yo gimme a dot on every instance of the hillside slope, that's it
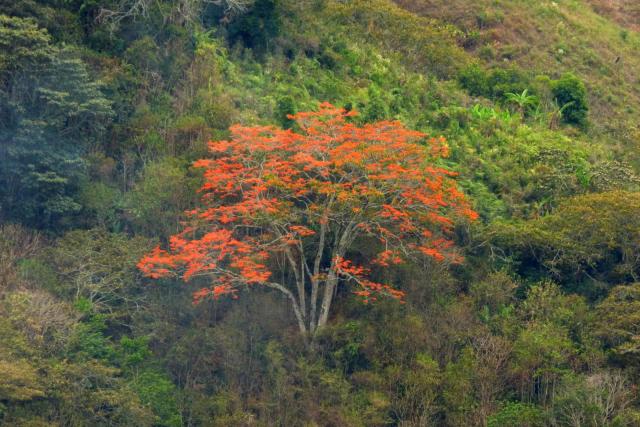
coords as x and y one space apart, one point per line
551 38
105 105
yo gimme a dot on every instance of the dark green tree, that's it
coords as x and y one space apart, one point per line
258 27
52 112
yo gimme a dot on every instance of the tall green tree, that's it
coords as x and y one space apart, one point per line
52 112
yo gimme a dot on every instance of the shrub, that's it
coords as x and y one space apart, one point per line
506 80
475 80
571 95
494 84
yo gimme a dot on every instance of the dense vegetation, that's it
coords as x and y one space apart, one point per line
524 314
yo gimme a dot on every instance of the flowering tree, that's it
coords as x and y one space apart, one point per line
274 197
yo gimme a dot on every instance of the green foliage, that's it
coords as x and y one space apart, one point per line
458 389
512 169
258 27
99 267
45 380
418 42
517 414
495 84
89 340
19 381
570 93
159 393
90 392
144 54
376 108
414 391
23 44
523 100
612 175
494 292
103 204
506 80
133 351
546 302
542 353
587 236
616 323
102 110
475 80
52 111
159 198
285 107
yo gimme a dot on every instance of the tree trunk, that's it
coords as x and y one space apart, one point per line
327 298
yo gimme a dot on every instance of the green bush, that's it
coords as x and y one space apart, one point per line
159 393
571 95
475 80
506 80
494 84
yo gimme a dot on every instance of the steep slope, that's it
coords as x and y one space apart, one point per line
549 37
625 12
538 323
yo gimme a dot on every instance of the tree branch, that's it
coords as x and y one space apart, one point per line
294 302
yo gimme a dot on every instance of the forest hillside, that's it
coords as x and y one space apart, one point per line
319 213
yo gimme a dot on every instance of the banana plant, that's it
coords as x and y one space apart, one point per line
522 100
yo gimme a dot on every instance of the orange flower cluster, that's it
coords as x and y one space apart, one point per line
358 274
